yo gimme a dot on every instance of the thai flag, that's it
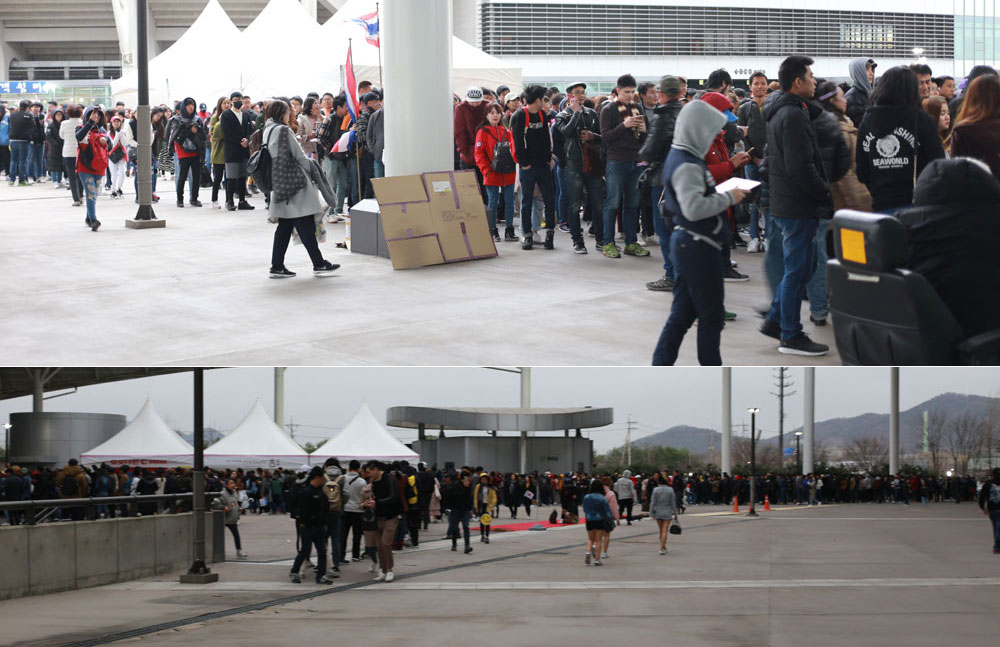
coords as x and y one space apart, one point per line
343 144
352 86
370 23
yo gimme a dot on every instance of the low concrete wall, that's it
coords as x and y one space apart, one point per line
78 554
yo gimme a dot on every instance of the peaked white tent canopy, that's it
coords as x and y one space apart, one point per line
256 442
364 437
146 441
204 63
470 65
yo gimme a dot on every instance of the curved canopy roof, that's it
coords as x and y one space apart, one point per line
499 419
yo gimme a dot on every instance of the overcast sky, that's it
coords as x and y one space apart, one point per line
320 401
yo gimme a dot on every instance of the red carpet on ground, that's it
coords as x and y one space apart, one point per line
514 527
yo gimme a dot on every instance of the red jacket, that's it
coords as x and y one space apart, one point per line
486 139
717 161
98 141
468 118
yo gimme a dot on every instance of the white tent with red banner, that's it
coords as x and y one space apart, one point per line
147 441
364 438
256 442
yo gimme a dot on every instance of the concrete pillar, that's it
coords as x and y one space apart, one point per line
525 404
566 433
37 391
421 431
279 396
894 420
809 414
8 54
416 57
727 419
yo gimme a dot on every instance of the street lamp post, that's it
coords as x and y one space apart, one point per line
753 460
798 456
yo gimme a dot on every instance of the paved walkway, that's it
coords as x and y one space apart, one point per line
832 575
197 293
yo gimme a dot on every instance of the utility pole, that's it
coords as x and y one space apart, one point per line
783 383
292 427
628 441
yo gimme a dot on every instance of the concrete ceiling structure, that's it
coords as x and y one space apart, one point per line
20 382
499 419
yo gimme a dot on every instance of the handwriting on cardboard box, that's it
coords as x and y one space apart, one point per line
456 216
441 187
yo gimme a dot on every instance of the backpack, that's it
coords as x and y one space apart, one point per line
5 131
503 160
412 493
335 494
994 494
259 167
69 487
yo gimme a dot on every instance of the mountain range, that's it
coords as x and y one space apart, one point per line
836 432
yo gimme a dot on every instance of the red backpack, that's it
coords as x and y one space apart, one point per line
90 158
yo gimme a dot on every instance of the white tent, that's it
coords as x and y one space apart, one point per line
364 438
256 442
283 53
204 63
470 65
146 441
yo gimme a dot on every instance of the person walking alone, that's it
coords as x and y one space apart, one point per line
989 503
625 491
484 498
230 503
458 499
663 508
599 520
92 159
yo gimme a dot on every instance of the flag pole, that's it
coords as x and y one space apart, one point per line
357 146
378 21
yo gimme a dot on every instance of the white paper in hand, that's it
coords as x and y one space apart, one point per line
737 183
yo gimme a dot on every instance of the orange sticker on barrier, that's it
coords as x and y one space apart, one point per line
852 246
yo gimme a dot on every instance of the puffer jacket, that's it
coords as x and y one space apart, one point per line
848 192
54 146
797 182
833 150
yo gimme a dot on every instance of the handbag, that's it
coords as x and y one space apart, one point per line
117 154
675 528
485 519
592 165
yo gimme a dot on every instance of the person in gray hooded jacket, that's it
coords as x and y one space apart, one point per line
862 70
625 491
700 230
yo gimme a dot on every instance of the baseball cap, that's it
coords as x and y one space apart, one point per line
474 94
671 86
720 103
202 106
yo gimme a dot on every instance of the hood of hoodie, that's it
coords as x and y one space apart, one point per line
952 181
333 472
627 474
697 126
189 101
858 69
782 99
86 116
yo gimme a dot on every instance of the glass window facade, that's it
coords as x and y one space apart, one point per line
545 29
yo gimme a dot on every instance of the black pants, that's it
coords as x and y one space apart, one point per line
75 185
5 160
351 523
236 187
186 165
233 528
218 174
306 226
625 506
413 524
310 536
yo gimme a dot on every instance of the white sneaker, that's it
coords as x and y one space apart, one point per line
597 562
388 577
372 567
216 205
380 577
754 246
536 238
586 560
643 240
663 551
605 556
241 555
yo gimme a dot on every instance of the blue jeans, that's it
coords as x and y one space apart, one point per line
559 188
698 294
19 153
91 183
56 176
622 179
310 536
36 161
819 305
574 182
995 518
379 169
663 231
333 522
456 517
493 199
799 255
541 175
755 210
774 259
336 174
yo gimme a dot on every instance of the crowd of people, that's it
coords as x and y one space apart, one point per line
640 165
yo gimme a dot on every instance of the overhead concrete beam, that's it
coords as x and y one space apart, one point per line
59 34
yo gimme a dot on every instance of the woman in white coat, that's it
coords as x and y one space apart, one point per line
663 508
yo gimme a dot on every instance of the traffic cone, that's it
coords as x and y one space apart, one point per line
767 503
736 504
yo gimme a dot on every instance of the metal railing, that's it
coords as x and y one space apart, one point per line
42 510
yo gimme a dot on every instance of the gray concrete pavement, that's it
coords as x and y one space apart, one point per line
197 293
831 575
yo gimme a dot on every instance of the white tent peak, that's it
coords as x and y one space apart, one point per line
279 15
256 442
364 437
146 440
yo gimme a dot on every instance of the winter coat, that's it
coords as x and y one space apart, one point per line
532 139
92 135
491 498
181 128
54 147
953 234
305 202
232 501
833 149
895 144
662 121
67 133
980 140
22 125
375 134
234 130
486 139
860 93
625 488
457 497
218 140
751 116
307 130
663 503
72 472
620 143
848 192
797 185
570 123
468 118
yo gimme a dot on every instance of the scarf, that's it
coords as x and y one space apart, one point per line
632 111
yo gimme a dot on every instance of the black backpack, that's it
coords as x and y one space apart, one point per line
259 167
503 160
69 487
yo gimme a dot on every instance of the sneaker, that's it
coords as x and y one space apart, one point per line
355 559
818 322
509 236
454 548
663 551
586 560
800 344
77 203
195 203
754 246
662 284
372 567
216 205
23 184
527 243
95 225
245 206
605 556
597 562
389 577
114 195
771 328
611 251
550 236
241 555
468 549
180 204
326 268
732 275
728 316
563 227
644 240
324 580
282 273
743 234
579 247
380 577
487 539
296 579
230 206
635 249
496 235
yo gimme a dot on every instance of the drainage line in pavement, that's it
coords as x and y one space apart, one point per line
301 597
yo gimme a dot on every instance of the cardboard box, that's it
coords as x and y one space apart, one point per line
367 236
433 218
